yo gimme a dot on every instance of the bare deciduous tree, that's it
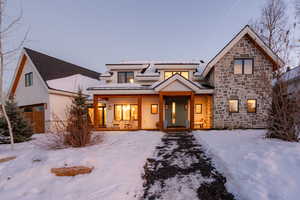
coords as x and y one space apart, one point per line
5 29
273 27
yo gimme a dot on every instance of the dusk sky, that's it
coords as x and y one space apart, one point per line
93 33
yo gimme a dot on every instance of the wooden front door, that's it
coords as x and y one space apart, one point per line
35 115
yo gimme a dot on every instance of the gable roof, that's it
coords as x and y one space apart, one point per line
48 68
245 31
53 68
198 88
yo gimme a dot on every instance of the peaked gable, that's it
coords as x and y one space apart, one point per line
255 38
54 68
181 84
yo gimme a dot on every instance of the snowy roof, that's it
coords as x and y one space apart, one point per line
73 83
292 74
123 86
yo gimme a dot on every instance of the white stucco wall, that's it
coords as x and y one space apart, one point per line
149 120
59 105
37 93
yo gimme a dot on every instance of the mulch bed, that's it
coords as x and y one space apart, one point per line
71 171
180 157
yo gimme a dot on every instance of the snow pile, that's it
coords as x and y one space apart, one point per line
72 83
118 163
255 167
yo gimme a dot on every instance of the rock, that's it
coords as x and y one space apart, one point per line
2 160
71 171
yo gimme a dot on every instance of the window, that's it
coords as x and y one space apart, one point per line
243 66
28 79
126 112
233 106
125 77
118 112
198 108
154 108
251 105
185 74
134 112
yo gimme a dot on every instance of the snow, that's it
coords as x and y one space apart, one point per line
292 74
118 163
72 83
255 167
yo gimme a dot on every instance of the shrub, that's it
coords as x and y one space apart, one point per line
284 113
75 131
22 128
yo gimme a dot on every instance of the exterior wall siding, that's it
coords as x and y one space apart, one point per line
149 120
239 86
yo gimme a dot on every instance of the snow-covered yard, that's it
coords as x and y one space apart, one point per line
118 163
255 167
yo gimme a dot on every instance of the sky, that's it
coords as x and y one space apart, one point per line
95 32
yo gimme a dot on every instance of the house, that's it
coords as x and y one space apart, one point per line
292 76
227 92
43 86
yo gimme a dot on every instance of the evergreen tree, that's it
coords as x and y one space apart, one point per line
22 129
78 126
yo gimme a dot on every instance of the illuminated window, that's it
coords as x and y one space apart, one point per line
134 112
118 112
125 77
251 105
233 106
126 112
185 74
198 108
173 112
154 108
28 79
243 66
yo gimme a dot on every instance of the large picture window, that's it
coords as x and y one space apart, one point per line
28 79
125 77
243 66
126 112
185 74
251 105
233 106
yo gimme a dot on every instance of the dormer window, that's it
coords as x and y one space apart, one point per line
243 66
28 79
185 74
125 77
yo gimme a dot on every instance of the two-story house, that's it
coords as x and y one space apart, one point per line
227 92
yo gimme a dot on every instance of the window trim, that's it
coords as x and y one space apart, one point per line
238 105
255 105
196 109
126 76
151 109
28 83
243 65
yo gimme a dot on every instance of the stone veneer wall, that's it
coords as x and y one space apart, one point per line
239 86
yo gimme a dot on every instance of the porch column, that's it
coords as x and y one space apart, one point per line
192 111
96 121
139 112
161 110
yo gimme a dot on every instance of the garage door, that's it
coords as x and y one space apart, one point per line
35 114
